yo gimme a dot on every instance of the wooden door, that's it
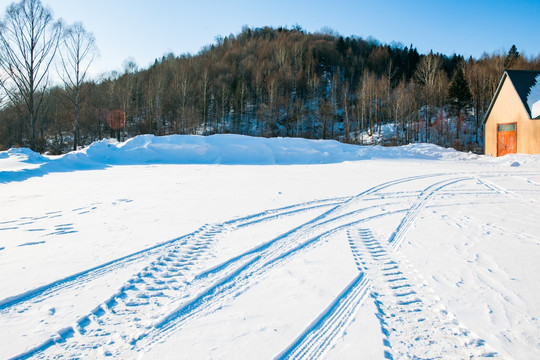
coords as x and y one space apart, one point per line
506 139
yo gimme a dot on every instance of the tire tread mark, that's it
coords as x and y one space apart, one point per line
259 265
50 289
316 339
397 236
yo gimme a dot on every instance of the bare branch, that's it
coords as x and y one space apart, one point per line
77 54
29 39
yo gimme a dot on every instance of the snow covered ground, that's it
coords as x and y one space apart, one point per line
230 247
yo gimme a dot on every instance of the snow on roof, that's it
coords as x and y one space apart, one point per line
533 98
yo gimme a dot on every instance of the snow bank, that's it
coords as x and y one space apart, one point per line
19 159
20 164
244 150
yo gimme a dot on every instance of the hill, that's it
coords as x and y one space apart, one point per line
279 82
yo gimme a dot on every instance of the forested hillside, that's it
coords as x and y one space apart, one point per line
277 82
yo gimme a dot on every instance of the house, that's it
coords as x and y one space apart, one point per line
512 122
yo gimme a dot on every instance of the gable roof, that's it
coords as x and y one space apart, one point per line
527 86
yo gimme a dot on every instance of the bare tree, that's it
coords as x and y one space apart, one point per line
397 105
426 75
29 39
368 100
126 91
346 98
77 53
153 90
183 86
3 94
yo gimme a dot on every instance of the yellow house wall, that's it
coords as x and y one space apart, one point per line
508 108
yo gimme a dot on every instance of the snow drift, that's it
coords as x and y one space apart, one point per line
20 164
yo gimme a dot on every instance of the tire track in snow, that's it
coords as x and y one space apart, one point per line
280 255
154 279
331 323
176 321
234 286
416 209
83 277
262 250
259 261
520 197
317 339
197 287
414 322
491 186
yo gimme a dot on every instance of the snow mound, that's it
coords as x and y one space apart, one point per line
20 164
19 159
246 150
228 149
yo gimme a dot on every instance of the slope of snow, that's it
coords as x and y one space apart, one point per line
236 247
216 149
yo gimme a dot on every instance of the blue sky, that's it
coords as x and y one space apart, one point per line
145 29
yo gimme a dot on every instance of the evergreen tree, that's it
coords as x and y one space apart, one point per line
459 93
341 47
513 55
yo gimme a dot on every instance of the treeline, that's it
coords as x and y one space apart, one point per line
278 82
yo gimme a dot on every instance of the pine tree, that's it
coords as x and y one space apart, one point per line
459 98
459 94
341 47
513 55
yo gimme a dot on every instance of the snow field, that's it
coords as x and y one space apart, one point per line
416 253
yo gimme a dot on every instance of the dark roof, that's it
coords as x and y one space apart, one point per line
523 81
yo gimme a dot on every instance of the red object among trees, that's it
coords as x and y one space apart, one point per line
116 119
